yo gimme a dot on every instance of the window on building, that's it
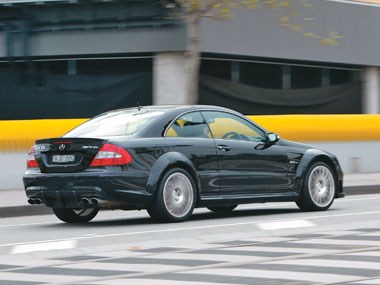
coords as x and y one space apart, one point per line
261 75
305 77
113 66
216 68
340 76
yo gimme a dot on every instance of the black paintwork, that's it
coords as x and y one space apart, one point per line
247 172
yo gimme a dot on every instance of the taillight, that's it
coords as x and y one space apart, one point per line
110 155
31 161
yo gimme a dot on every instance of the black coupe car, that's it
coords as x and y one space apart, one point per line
171 159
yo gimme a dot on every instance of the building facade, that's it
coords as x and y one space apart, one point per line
66 59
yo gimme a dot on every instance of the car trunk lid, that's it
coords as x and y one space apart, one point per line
66 154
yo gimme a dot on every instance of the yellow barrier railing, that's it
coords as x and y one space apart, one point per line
323 128
20 135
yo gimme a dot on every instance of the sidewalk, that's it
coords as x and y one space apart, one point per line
13 203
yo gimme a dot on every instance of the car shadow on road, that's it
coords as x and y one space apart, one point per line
204 215
238 213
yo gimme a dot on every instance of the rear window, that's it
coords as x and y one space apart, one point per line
126 123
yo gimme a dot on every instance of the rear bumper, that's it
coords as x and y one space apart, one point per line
96 188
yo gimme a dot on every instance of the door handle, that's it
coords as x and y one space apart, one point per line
224 147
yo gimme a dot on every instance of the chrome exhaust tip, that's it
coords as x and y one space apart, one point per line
85 201
37 201
31 201
94 201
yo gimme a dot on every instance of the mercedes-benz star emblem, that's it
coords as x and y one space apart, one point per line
61 146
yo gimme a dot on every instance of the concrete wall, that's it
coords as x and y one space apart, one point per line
256 33
12 167
76 43
354 156
69 28
259 33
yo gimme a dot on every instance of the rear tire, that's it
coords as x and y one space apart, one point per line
222 209
175 197
75 216
319 188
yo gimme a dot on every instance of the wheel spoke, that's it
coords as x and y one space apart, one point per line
178 195
321 186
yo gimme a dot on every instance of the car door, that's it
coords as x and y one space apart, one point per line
190 135
247 164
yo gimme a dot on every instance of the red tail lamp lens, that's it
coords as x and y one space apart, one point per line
110 155
31 160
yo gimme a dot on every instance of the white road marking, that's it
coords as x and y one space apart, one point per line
285 225
365 253
299 250
178 229
271 274
41 278
154 282
206 256
152 267
369 282
326 241
267 205
44 246
330 263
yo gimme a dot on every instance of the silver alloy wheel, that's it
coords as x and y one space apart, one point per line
321 186
178 195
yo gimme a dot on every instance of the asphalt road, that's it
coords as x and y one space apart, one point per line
255 244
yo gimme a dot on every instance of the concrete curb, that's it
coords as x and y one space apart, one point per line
29 210
24 210
362 189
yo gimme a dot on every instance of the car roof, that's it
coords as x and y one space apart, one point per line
165 115
179 108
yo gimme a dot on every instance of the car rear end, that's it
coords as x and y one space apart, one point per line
80 172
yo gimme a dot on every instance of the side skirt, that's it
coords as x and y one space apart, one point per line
219 200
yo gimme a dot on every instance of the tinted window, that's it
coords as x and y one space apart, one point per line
228 126
125 123
190 125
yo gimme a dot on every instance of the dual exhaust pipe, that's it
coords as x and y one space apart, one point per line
85 201
90 201
34 201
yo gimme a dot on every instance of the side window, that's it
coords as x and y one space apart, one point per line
229 126
190 125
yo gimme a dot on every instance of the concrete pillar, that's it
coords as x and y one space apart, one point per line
371 94
286 77
325 80
71 67
169 78
235 71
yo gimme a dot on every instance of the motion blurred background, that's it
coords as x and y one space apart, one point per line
316 81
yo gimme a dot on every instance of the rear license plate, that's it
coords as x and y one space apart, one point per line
64 158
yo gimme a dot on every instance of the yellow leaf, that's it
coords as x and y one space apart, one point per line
329 41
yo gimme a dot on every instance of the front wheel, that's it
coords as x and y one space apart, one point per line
175 197
319 188
74 215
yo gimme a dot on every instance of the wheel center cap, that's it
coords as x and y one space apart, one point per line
177 195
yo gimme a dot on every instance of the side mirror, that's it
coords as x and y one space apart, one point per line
272 137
